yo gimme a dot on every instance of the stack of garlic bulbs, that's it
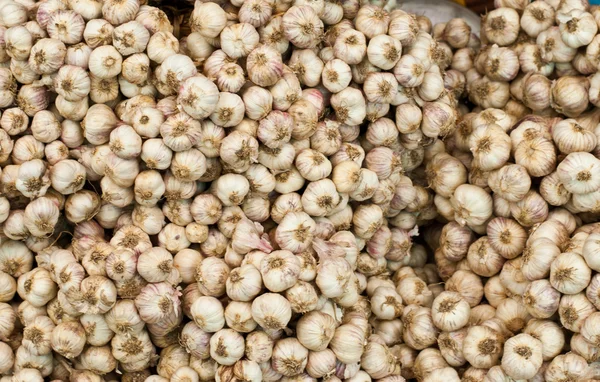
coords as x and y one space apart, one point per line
212 207
298 190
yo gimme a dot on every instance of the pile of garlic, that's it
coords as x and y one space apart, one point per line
539 57
237 204
517 187
298 190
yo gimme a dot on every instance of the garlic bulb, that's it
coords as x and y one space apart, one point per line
470 209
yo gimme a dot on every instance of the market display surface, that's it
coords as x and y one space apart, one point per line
298 190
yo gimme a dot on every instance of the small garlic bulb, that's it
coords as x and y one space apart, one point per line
577 27
511 182
160 46
295 231
522 356
271 311
238 40
563 365
386 303
570 95
33 180
536 91
336 75
482 346
289 357
210 275
537 17
198 96
578 173
280 270
472 205
264 66
490 147
208 19
384 51
315 330
47 55
420 331
208 314
445 173
541 299
41 216
68 339
450 311
382 87
37 335
506 237
569 273
501 26
105 62
502 64
409 71
404 27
